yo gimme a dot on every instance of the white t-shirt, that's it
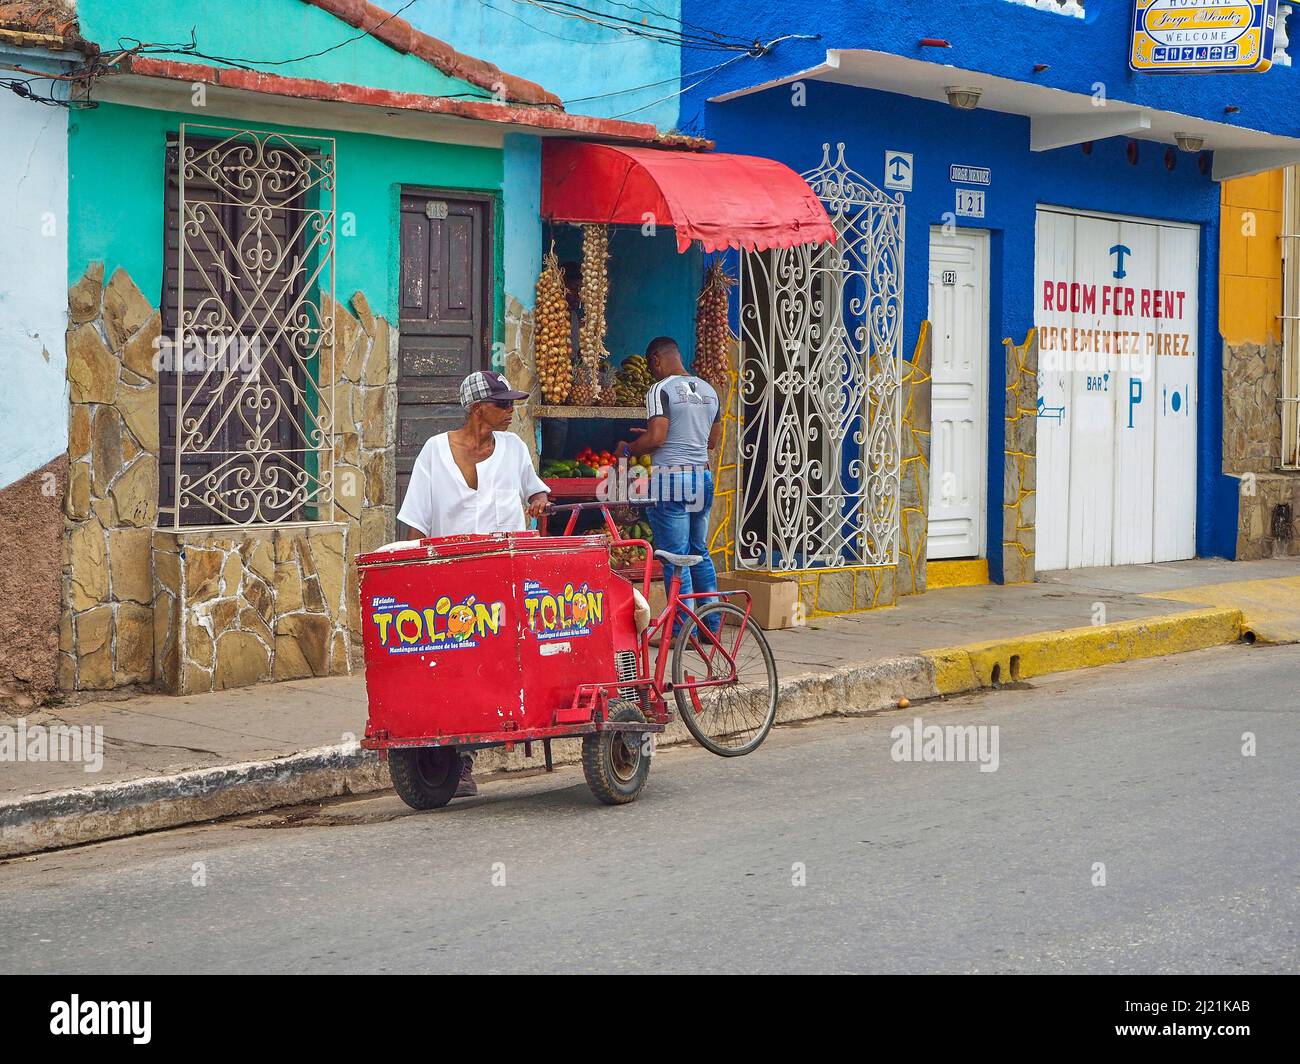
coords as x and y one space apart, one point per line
440 503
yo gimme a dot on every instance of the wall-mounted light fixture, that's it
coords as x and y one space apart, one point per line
1189 142
964 99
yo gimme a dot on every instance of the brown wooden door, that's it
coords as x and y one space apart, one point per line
445 312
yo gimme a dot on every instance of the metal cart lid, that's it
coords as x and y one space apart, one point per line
445 548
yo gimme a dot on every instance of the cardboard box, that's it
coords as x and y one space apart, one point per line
776 598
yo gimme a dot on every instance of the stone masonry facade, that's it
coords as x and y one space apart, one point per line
111 503
1020 461
1268 523
198 610
247 605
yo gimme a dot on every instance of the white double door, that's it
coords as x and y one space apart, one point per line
1116 311
959 317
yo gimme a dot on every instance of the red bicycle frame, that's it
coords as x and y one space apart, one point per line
675 605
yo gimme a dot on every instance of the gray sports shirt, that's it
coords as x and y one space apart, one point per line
691 407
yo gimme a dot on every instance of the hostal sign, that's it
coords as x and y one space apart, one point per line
1188 36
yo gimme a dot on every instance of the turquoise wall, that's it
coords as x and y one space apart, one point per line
596 70
116 172
261 34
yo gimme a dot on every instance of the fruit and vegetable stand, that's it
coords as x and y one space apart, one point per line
718 202
579 479
588 403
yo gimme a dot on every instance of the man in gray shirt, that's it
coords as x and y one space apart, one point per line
683 424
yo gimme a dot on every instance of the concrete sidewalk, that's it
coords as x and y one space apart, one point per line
171 760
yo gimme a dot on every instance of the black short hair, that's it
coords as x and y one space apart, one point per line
661 345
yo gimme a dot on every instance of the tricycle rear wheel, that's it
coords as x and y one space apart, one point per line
425 777
616 764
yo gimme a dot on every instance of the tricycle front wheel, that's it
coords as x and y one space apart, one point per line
616 764
425 777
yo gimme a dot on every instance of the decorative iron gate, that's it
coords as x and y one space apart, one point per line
247 401
821 331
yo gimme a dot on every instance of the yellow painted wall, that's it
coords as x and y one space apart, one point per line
1250 259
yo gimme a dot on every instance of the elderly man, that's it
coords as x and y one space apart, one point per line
477 478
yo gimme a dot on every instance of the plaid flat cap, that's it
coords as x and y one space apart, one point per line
485 385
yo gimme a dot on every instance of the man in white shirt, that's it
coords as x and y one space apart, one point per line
477 478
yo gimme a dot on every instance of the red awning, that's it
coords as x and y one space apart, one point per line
724 201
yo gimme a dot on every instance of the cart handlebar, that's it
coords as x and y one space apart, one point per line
573 509
556 507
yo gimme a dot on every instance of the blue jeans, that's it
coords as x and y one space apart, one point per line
683 528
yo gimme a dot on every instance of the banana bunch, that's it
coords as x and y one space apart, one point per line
632 381
591 334
551 336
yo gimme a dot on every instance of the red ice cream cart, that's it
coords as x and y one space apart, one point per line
489 640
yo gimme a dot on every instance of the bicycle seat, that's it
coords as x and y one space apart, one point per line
684 561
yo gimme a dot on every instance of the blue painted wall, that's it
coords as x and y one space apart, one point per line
596 70
994 37
521 230
869 123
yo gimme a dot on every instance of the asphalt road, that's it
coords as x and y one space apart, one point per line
905 866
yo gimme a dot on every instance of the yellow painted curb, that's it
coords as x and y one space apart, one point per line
1270 608
968 572
976 665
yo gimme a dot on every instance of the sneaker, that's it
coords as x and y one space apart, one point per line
467 788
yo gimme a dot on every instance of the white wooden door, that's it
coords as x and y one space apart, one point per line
1091 475
1117 316
959 316
1174 404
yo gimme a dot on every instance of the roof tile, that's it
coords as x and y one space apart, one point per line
40 18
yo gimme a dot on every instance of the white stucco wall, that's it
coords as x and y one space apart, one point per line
33 282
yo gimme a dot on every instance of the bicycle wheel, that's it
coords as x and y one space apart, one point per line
734 718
